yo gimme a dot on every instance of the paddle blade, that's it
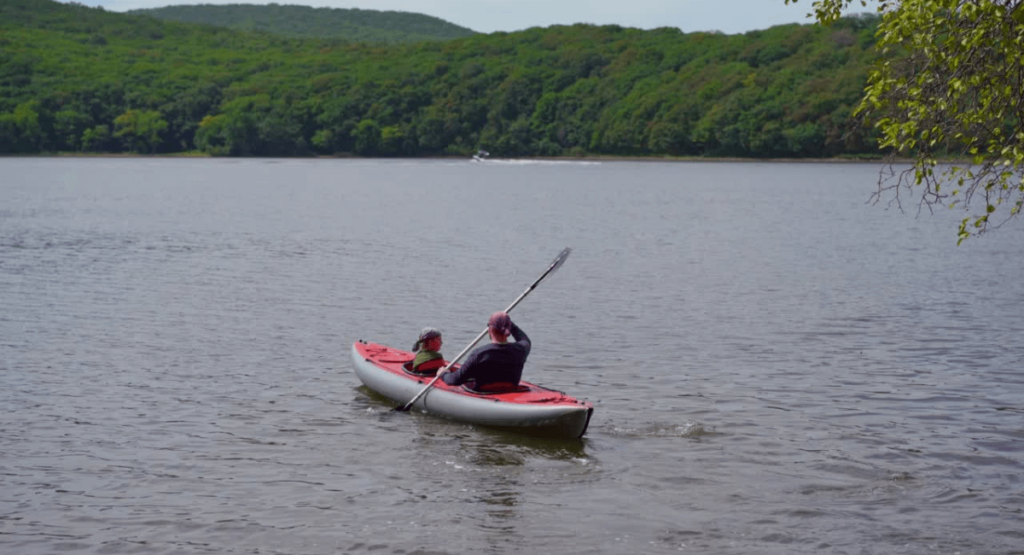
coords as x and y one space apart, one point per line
559 260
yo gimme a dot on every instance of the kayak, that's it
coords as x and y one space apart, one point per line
528 408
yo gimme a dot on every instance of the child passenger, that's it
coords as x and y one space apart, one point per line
427 348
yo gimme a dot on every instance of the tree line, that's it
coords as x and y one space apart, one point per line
79 79
389 27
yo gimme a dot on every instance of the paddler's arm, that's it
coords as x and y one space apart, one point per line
462 375
521 339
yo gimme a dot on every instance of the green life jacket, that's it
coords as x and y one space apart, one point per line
424 356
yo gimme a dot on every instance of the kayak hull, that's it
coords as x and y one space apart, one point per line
530 409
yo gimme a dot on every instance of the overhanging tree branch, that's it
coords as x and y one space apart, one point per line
947 93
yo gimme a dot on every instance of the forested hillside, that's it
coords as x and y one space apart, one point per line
388 27
74 78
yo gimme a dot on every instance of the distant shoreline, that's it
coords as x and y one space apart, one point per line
594 158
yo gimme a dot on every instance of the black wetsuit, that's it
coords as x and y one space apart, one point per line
494 363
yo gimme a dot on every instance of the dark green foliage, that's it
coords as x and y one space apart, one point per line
74 78
307 22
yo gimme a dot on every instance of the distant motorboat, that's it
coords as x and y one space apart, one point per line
481 155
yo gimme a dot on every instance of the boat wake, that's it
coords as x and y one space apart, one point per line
689 430
532 162
484 156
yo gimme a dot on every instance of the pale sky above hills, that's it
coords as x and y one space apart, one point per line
487 16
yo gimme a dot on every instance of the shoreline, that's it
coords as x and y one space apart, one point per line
594 158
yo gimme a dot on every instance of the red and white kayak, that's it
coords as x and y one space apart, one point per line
527 409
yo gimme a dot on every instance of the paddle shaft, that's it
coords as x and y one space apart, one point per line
554 266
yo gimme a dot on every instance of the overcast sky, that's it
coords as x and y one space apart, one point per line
487 16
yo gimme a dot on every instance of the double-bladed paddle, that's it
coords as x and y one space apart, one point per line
559 260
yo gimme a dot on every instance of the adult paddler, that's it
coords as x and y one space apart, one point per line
497 365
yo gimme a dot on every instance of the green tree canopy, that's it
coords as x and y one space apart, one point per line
75 78
950 83
140 129
307 22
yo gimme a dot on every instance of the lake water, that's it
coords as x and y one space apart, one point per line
777 366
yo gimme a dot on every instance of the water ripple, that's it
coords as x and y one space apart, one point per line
776 368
